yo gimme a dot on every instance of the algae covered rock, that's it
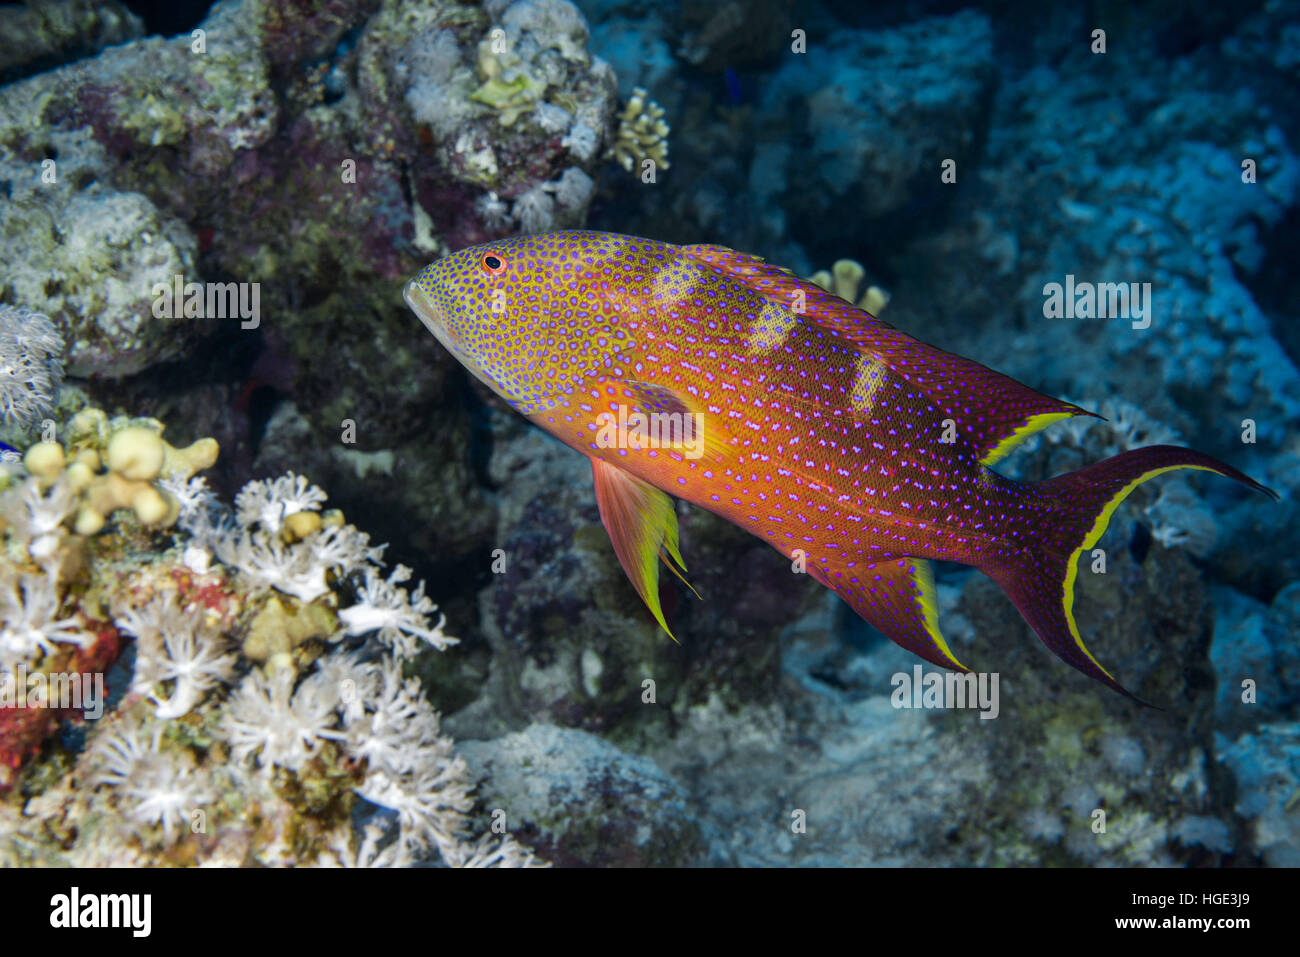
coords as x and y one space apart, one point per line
571 642
89 255
579 800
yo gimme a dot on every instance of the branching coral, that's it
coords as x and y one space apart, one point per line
845 279
642 134
394 619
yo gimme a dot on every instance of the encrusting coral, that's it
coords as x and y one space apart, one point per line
642 134
268 718
113 465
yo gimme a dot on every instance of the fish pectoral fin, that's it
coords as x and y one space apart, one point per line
898 597
642 527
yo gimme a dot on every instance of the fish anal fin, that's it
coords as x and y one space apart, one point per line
898 597
642 527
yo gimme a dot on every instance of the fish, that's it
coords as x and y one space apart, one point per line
860 453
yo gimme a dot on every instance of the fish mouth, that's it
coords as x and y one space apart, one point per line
423 307
431 315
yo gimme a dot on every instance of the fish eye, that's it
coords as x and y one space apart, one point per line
493 264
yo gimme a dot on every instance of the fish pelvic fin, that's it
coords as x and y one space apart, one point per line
642 527
896 596
1079 507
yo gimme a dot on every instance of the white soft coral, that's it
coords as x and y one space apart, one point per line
29 622
153 788
412 767
31 368
267 503
394 618
36 514
195 500
299 569
268 720
175 645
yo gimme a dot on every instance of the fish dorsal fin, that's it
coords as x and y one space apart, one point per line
993 412
642 527
898 597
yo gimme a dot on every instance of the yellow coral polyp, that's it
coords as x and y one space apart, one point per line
281 626
109 492
79 475
299 525
193 458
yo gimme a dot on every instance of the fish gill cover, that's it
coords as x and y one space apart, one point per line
210 216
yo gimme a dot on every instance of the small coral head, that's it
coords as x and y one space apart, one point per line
535 317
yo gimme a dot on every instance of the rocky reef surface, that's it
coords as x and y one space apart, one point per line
326 152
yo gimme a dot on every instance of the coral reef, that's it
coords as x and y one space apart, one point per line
48 511
234 743
276 694
581 801
94 279
381 158
570 643
1266 765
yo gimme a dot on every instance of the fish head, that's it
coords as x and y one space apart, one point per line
535 317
